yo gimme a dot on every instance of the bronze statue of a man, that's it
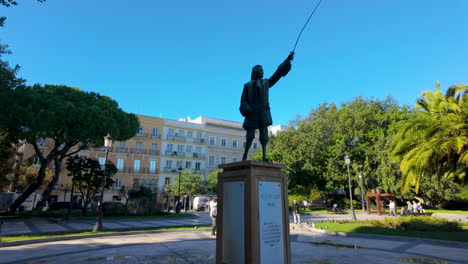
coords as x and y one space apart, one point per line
255 106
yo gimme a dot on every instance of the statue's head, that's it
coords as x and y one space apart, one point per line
257 72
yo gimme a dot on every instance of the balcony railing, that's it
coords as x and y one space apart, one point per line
166 169
200 171
153 152
198 155
176 137
199 140
152 171
175 153
157 136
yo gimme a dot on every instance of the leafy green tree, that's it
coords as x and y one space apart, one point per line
435 141
313 148
212 182
87 176
71 118
190 183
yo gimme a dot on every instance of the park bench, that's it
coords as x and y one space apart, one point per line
420 214
339 210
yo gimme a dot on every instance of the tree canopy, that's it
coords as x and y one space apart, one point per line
435 141
313 148
71 118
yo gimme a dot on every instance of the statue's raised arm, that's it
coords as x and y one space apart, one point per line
255 106
283 70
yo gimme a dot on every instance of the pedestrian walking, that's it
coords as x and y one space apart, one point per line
213 214
392 208
296 215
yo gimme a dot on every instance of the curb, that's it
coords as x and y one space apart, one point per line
73 237
396 238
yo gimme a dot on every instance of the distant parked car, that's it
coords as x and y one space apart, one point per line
54 206
201 203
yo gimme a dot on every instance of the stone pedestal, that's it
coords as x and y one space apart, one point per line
253 221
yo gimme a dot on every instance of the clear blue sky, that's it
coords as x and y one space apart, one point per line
188 58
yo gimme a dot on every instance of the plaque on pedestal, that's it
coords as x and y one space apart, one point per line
253 221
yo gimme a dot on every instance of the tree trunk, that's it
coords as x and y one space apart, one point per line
31 188
50 187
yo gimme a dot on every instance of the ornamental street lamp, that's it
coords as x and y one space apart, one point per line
98 226
362 192
351 210
178 194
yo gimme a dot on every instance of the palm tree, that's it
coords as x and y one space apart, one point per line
435 141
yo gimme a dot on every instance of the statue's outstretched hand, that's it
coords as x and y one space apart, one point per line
290 56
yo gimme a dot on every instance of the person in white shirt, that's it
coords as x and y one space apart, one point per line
213 214
392 208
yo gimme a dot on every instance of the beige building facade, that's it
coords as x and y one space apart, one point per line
159 151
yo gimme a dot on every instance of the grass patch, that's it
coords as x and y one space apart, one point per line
76 215
40 236
445 211
324 211
365 227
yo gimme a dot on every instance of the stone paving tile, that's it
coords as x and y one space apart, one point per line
49 228
441 251
110 225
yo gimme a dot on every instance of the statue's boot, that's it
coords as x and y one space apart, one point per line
264 152
247 147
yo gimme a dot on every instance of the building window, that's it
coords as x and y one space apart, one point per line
170 132
167 180
212 140
179 164
188 164
102 161
155 133
168 164
118 182
255 145
136 166
223 142
188 149
180 148
140 131
198 149
169 147
154 149
189 134
152 168
138 147
197 165
37 160
199 135
234 143
223 160
41 142
211 160
234 159
122 146
181 133
120 164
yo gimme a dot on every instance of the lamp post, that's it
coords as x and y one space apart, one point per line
178 194
65 190
351 210
362 192
98 226
76 160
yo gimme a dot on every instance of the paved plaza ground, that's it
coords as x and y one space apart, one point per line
36 226
197 246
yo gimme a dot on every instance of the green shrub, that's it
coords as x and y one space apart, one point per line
421 223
